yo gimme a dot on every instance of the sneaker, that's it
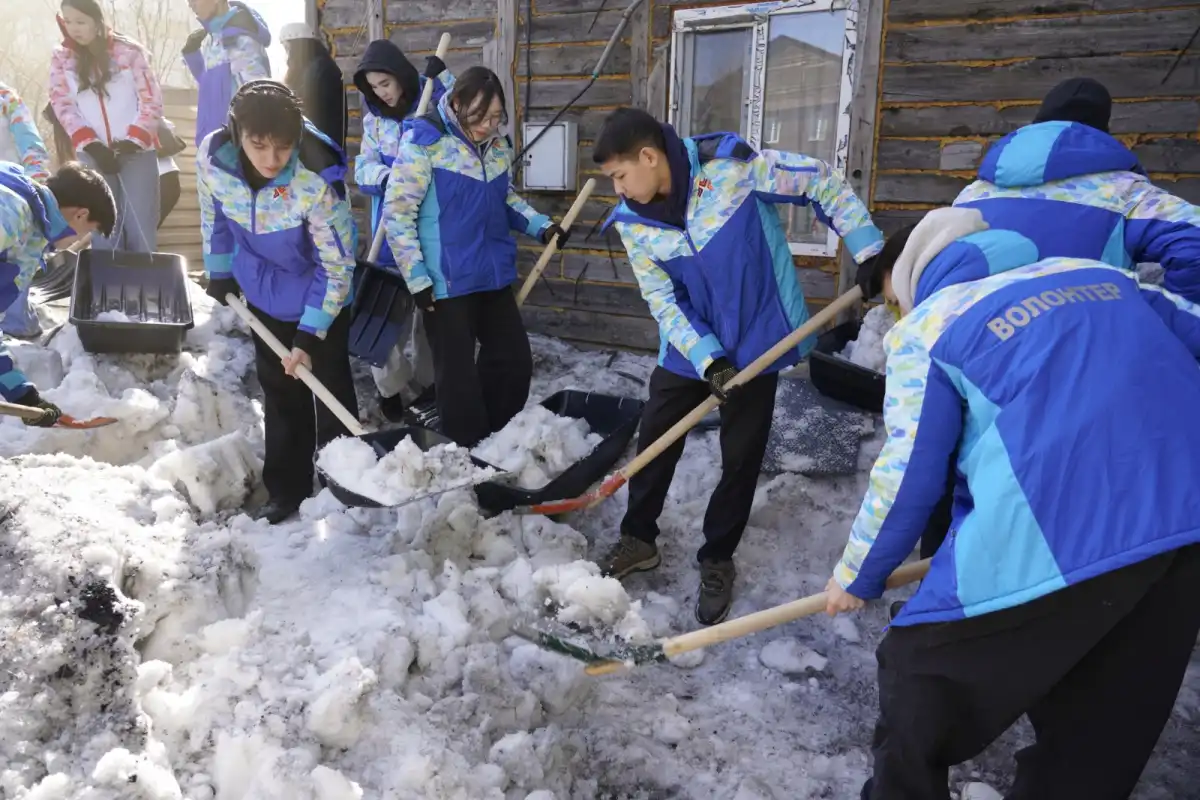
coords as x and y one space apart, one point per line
275 511
627 556
716 591
393 408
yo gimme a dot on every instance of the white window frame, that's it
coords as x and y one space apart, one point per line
757 17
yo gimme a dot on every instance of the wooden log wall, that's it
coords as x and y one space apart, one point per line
958 74
180 232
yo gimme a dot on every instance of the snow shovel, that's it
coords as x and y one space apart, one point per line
615 481
552 248
65 421
378 320
346 418
623 656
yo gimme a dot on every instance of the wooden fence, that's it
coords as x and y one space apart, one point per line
180 233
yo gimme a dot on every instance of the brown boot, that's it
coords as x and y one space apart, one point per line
627 556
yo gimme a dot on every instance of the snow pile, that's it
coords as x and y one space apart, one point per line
537 446
867 350
405 473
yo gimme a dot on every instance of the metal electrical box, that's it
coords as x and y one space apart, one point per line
550 164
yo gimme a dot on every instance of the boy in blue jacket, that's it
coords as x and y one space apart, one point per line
276 226
697 218
1069 586
34 218
229 51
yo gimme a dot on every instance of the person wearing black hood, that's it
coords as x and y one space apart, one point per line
316 79
391 88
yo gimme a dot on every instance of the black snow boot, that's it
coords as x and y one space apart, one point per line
393 408
277 511
716 591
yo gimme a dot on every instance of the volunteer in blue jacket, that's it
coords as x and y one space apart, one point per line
229 51
1074 191
277 227
450 210
391 89
1069 587
34 218
706 244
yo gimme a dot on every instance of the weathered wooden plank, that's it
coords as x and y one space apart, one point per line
928 154
554 94
576 27
1169 155
407 12
1156 116
589 121
639 54
926 10
656 85
817 284
500 54
597 327
575 265
424 38
892 220
1125 76
1059 37
556 204
917 188
1187 188
571 7
568 59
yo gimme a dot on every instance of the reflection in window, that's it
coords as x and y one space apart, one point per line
717 83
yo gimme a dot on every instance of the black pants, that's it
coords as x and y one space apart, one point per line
297 423
168 195
477 398
745 428
1096 666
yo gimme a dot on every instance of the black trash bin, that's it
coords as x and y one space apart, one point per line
840 379
151 289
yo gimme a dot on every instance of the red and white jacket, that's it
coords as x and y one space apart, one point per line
129 107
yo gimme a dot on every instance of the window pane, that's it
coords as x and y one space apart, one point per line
717 76
803 90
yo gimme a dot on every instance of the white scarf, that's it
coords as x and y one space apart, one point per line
936 231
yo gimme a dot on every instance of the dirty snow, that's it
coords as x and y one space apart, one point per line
155 644
404 473
537 446
867 349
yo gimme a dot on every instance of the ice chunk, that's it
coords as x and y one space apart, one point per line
791 658
537 446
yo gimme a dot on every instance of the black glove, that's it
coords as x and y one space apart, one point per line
103 158
552 231
126 148
719 373
424 299
434 66
50 412
194 40
867 279
219 287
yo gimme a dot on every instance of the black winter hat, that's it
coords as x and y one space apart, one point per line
1077 100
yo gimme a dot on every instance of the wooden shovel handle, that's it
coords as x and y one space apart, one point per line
302 372
20 411
762 620
552 248
422 107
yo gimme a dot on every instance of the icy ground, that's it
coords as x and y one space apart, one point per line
155 645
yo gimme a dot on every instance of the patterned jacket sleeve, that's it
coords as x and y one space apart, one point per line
332 230
62 99
781 177
15 230
409 182
144 130
678 322
247 61
214 227
370 173
34 157
922 412
1163 229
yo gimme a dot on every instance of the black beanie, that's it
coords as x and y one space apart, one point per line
1077 100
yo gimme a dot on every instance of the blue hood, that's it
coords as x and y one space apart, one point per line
240 20
1051 151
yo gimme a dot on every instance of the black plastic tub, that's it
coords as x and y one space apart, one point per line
614 418
386 442
840 379
151 289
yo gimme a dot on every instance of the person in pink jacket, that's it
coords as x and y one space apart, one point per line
109 102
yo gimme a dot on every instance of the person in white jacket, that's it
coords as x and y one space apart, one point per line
109 101
21 144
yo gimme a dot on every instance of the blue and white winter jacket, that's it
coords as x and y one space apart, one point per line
727 285
30 222
230 50
291 244
451 207
1077 192
380 143
1046 375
